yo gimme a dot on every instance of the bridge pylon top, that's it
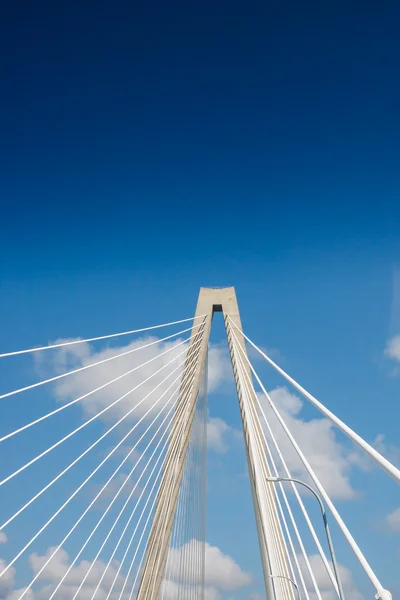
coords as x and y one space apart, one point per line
218 299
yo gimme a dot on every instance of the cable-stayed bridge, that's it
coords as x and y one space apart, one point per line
126 486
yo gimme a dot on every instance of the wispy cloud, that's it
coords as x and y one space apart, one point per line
392 352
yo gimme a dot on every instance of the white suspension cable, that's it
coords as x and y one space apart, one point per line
173 543
139 569
192 366
103 516
383 462
119 491
296 530
197 509
301 504
87 479
177 521
187 554
166 507
177 525
184 526
280 508
184 499
288 534
145 549
109 480
74 462
198 530
305 513
85 511
333 579
195 512
204 483
133 535
261 496
43 567
171 457
285 589
95 364
119 541
325 520
64 406
278 562
95 339
381 592
86 423
137 549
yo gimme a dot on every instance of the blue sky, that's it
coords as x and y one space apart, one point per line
149 150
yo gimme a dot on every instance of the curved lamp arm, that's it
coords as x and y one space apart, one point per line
287 579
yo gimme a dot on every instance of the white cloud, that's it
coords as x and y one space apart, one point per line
222 573
54 571
120 482
221 570
6 581
210 593
3 537
171 590
219 367
80 355
391 451
220 434
324 583
256 596
392 349
393 520
58 566
16 594
216 433
366 463
317 439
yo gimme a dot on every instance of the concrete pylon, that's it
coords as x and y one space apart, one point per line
274 563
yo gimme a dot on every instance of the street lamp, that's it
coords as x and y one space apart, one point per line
324 517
